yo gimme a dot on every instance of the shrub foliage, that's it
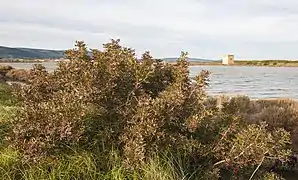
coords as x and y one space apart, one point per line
113 100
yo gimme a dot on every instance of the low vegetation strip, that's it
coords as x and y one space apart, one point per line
287 63
269 63
115 117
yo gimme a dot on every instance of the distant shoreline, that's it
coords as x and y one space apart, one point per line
258 63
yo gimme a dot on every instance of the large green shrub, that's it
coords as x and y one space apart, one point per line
112 100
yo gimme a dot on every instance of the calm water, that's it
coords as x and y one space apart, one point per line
256 82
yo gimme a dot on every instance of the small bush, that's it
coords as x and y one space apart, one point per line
279 113
17 75
4 69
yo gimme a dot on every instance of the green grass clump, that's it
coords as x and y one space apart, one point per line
77 166
8 110
6 96
85 165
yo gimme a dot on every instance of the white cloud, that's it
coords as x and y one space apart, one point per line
204 28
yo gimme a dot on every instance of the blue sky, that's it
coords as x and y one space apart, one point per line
254 29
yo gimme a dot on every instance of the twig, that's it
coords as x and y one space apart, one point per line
219 162
257 168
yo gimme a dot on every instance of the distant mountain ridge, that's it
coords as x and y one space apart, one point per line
189 59
30 53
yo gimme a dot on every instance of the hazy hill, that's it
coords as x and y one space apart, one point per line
30 53
189 59
8 52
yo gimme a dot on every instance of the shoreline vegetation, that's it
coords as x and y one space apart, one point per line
266 63
118 118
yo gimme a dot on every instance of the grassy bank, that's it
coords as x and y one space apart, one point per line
273 63
119 118
267 63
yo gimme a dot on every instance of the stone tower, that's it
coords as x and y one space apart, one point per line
228 59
